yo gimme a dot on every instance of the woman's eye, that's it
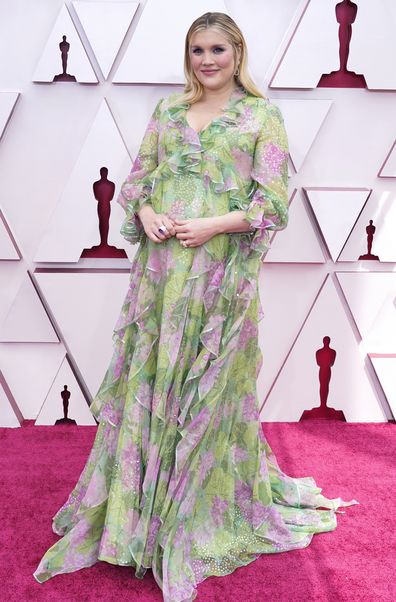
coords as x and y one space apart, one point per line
216 50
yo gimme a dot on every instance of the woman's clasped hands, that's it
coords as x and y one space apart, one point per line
190 232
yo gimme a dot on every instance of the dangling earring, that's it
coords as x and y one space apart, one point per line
237 72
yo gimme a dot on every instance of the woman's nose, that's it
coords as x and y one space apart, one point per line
207 59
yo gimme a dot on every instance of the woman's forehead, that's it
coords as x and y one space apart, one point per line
209 37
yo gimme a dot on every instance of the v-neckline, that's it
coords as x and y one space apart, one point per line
198 132
208 125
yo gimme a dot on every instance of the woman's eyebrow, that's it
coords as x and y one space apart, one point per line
213 46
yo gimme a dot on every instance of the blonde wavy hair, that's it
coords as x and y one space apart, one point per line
193 89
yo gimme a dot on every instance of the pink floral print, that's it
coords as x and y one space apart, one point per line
180 478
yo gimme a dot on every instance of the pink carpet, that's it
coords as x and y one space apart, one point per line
356 562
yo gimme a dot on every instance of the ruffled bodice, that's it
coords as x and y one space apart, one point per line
238 162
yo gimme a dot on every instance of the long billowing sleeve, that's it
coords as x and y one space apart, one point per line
136 189
268 208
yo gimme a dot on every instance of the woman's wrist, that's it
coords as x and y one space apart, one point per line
144 211
234 221
218 223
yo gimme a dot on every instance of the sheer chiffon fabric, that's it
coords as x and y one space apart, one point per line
180 478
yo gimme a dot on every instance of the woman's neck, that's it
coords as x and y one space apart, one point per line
218 96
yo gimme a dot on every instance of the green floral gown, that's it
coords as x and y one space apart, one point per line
180 478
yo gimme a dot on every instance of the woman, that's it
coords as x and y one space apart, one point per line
180 478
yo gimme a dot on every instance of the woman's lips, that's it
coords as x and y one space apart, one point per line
209 71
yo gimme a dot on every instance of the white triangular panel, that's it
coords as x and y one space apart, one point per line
388 170
303 120
140 63
382 211
88 318
27 320
297 387
313 48
10 414
74 223
336 211
105 25
50 63
287 294
8 247
298 242
29 369
372 300
373 44
385 368
52 409
8 417
7 103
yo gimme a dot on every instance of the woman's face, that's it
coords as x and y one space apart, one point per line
212 58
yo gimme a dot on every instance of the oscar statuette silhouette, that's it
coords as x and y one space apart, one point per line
370 230
345 14
103 190
65 394
325 358
64 48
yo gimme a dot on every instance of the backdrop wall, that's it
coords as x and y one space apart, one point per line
58 309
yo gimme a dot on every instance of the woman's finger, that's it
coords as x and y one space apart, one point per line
156 230
169 226
181 228
153 237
